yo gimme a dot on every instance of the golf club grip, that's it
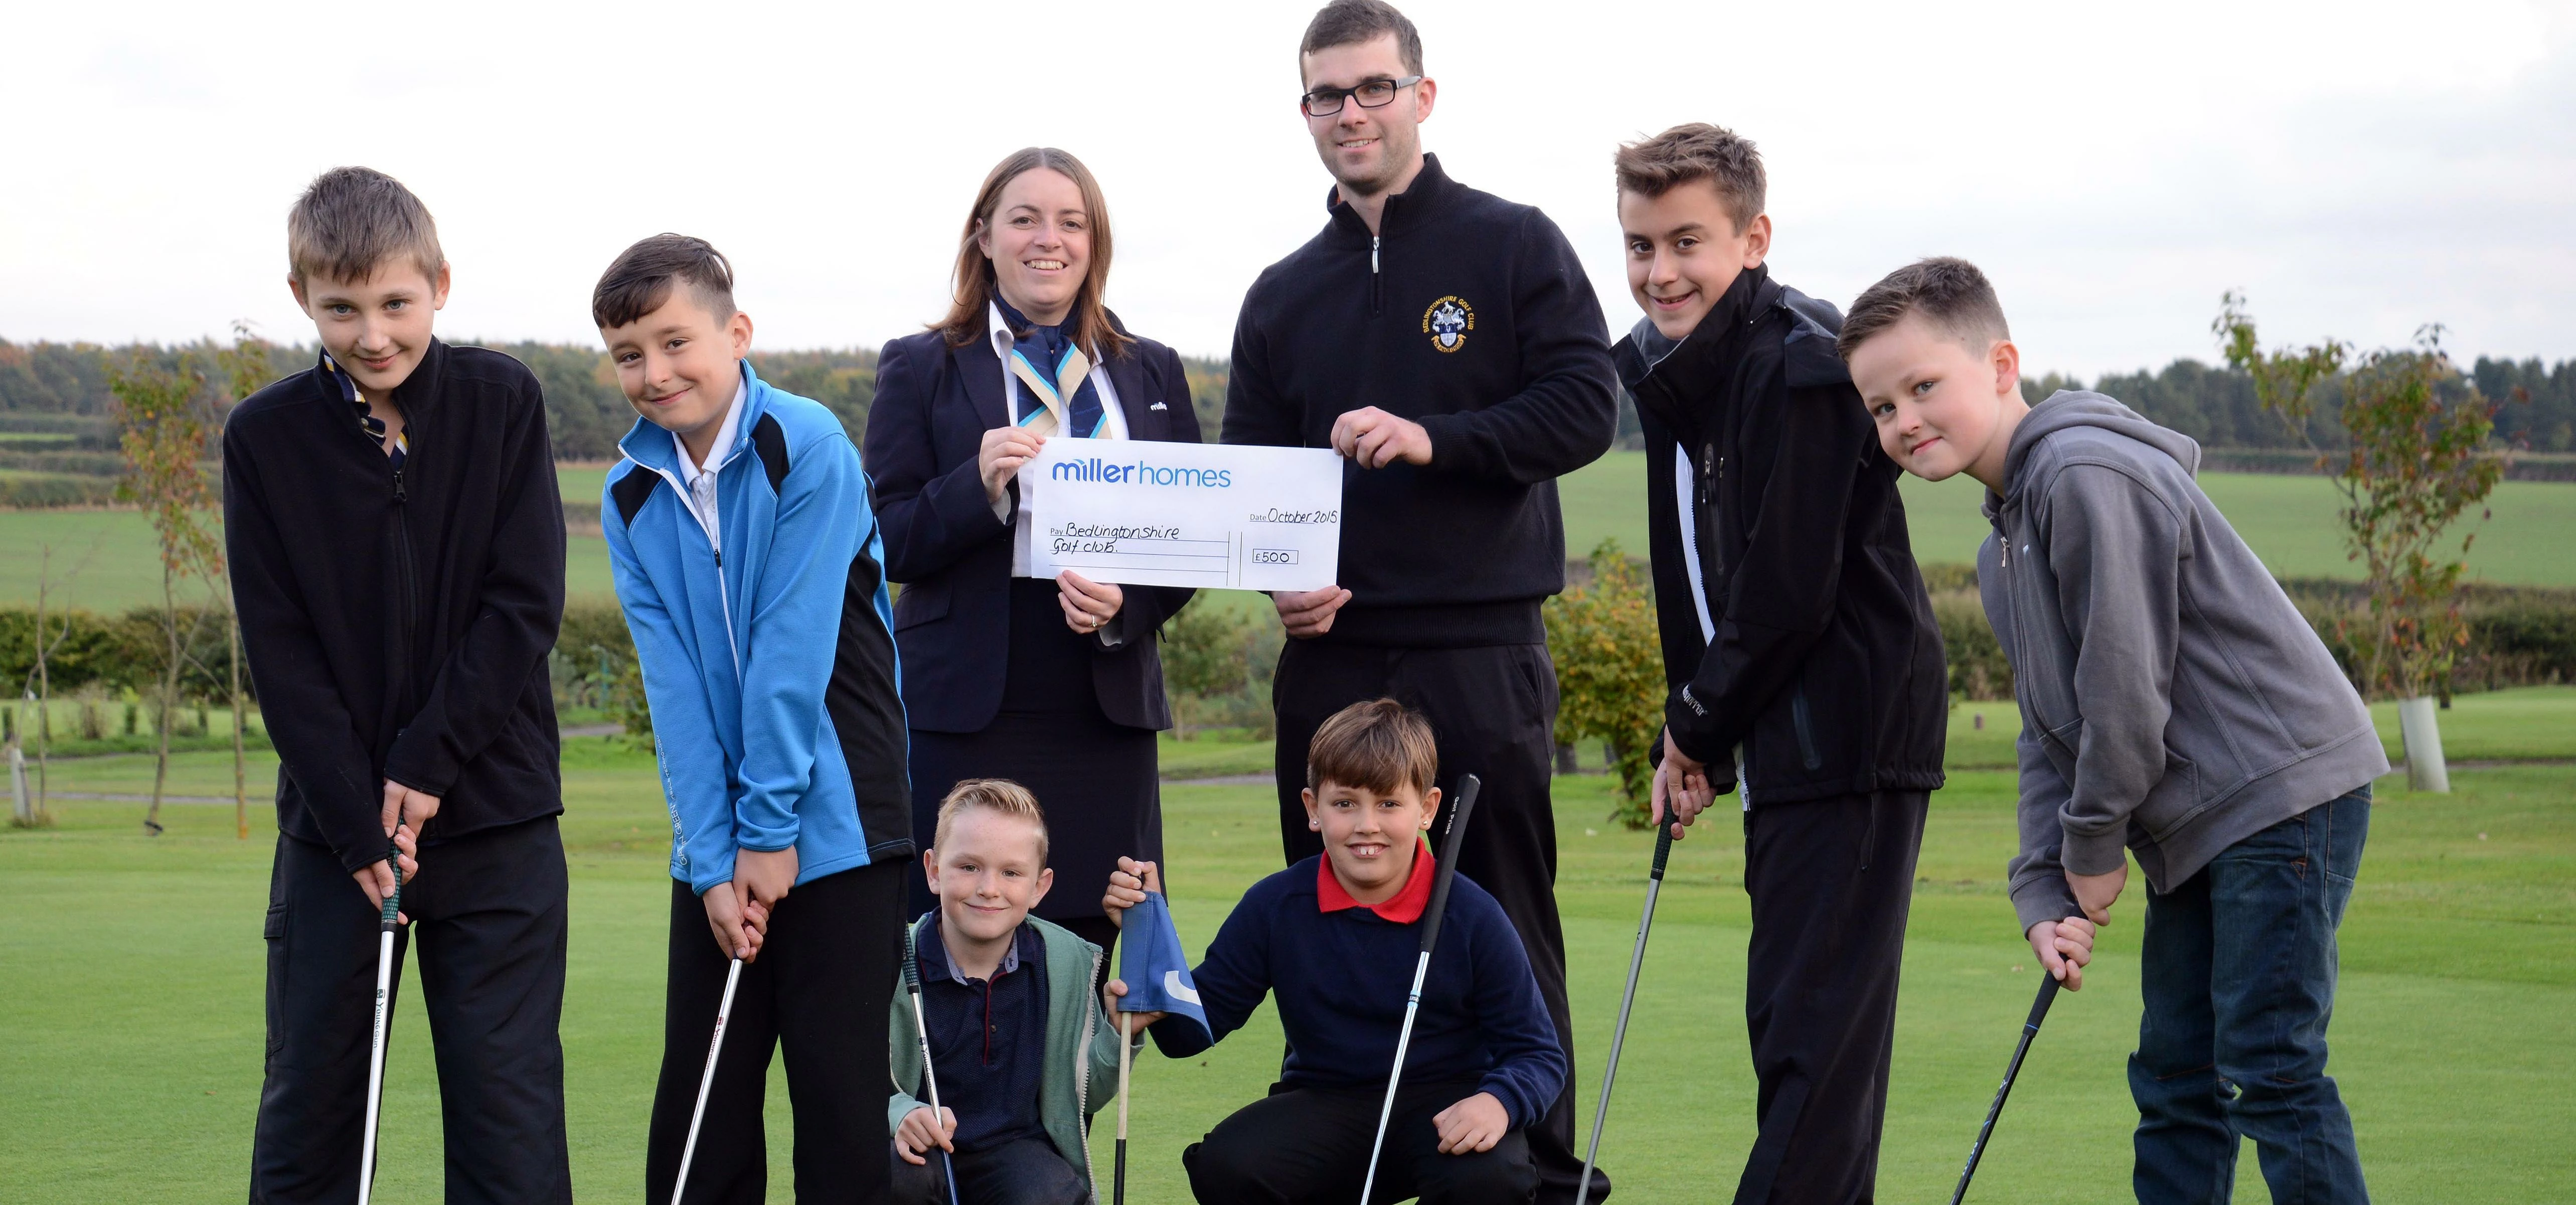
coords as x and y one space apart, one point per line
911 962
393 902
2048 986
1663 849
1463 811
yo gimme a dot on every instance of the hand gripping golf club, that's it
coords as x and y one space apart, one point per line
1448 870
912 985
384 1009
707 1079
1126 1035
1627 1001
2029 1029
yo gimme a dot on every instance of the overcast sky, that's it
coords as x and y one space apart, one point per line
2359 168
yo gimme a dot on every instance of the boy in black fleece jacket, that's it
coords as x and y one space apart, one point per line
397 557
1336 939
1799 643
1448 343
2174 703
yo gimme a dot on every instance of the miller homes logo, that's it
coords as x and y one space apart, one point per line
1448 321
1095 469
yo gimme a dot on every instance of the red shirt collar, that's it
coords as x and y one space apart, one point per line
1404 908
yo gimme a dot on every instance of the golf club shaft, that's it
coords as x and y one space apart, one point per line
706 1080
1627 1001
1126 1035
930 1078
2030 1029
392 911
1468 785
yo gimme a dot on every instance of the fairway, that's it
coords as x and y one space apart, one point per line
135 966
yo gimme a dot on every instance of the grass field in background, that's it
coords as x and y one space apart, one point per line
2290 521
134 965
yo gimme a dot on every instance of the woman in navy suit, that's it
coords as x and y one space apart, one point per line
1053 683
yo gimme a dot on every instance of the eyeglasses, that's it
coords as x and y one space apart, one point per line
1375 94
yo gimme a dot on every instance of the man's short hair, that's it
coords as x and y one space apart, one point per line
1949 292
1651 167
1000 796
352 221
1378 745
640 280
1344 22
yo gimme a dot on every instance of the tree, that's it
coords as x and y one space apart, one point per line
1610 673
2416 457
246 366
162 430
1207 654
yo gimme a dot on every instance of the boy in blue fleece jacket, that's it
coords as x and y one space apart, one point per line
1336 939
748 564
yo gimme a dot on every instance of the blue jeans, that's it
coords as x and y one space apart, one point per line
2238 972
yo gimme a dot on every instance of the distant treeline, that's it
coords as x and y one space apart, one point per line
54 398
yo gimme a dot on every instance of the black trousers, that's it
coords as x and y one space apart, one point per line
1023 1171
820 992
1493 712
489 913
1312 1145
1831 881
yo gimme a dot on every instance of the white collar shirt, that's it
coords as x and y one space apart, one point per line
700 483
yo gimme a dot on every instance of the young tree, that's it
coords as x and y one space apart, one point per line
163 429
246 367
2414 461
1206 655
1610 673
40 683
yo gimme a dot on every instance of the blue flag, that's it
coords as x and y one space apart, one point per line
1151 963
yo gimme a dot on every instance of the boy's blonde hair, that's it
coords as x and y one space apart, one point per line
352 221
1378 745
997 795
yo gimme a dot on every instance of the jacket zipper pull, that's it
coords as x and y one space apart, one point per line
398 487
1377 287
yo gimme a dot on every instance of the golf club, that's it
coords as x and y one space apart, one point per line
706 1080
912 985
2030 1029
1126 1034
384 997
1627 1001
1448 870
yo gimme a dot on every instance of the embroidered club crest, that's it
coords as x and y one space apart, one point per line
1447 322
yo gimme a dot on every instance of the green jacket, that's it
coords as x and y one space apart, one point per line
1081 1072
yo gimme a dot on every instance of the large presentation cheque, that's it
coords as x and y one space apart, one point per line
1144 513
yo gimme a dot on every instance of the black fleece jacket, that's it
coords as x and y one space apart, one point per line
1471 316
1827 665
397 621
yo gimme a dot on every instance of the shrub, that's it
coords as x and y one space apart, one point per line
1610 672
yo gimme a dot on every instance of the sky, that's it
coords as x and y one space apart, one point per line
2358 168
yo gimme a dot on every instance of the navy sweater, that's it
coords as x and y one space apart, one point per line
1342 978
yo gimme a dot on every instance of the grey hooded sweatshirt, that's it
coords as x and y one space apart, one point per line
2172 700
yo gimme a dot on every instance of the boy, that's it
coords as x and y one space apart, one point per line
1336 937
2172 701
747 561
1447 342
1023 1052
398 566
1798 644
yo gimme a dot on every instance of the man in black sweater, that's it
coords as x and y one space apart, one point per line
397 554
1799 644
1447 342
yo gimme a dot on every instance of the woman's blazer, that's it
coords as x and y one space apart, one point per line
953 556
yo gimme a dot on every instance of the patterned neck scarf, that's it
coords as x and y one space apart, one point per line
1056 393
367 422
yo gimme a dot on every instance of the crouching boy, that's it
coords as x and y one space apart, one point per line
1022 1051
747 561
1336 939
398 565
2172 703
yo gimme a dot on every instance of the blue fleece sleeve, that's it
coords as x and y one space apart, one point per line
1529 1065
685 748
1234 978
795 624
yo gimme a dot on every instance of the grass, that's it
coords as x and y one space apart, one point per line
135 966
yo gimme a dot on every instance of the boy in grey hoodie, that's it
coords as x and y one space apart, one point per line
2175 705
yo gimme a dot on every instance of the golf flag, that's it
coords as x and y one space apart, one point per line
1151 963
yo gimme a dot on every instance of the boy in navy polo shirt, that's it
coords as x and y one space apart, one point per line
1336 937
1007 999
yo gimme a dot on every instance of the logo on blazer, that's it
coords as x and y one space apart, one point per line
1448 321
